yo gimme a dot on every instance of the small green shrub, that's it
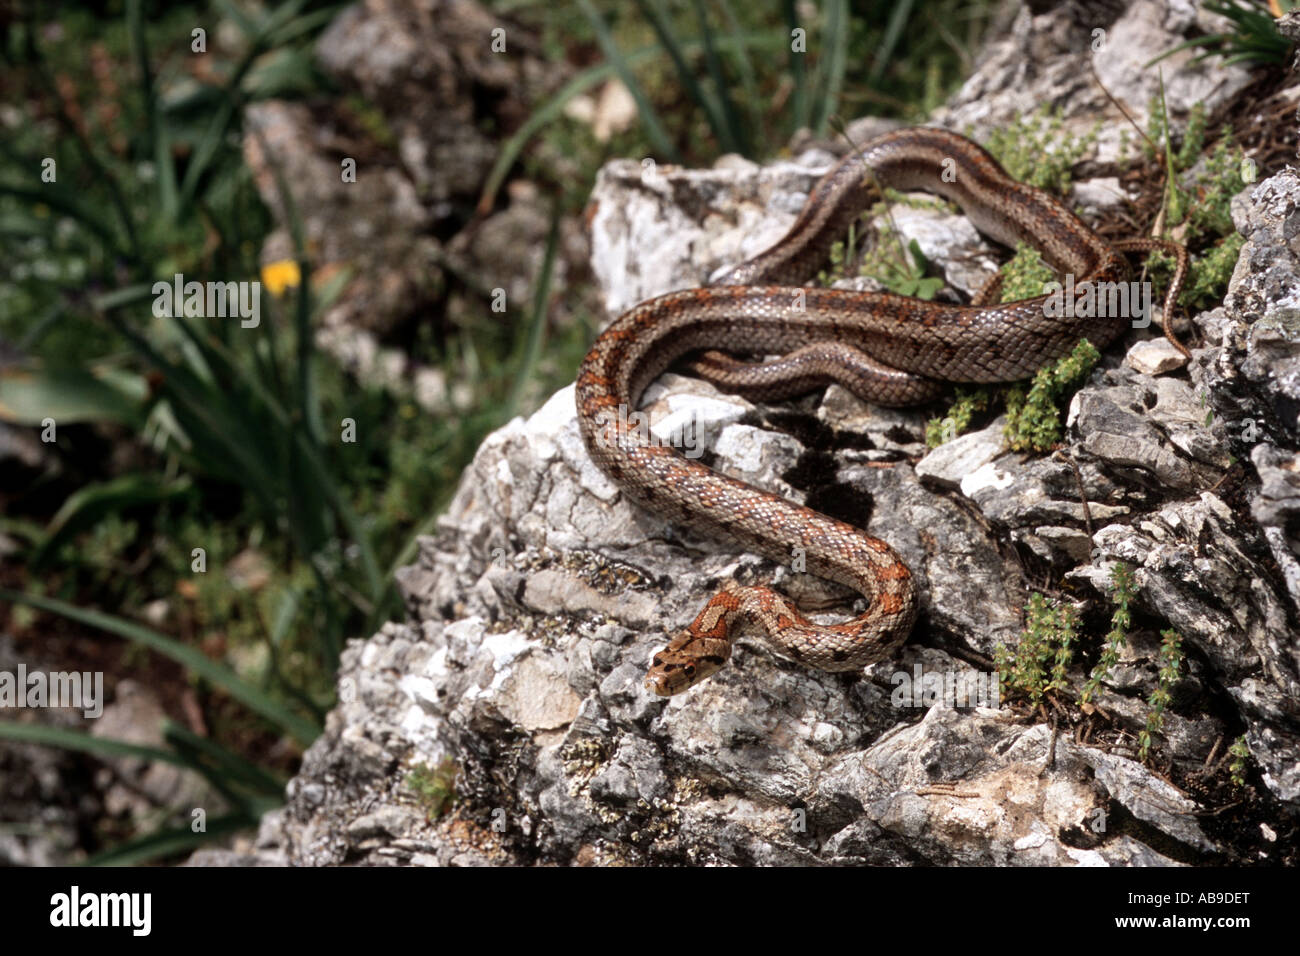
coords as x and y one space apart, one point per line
1034 417
1039 661
434 787
1171 658
960 413
1240 754
1122 584
1034 149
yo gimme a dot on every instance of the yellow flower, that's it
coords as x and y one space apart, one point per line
278 276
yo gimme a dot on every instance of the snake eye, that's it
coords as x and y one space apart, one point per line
690 670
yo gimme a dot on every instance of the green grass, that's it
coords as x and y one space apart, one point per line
714 77
1034 415
1198 205
1240 753
961 413
434 787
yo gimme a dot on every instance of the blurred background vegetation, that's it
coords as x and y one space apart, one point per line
179 433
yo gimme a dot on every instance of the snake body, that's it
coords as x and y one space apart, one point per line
886 348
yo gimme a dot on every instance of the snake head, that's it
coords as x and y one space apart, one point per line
685 662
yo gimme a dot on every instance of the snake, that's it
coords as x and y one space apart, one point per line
759 332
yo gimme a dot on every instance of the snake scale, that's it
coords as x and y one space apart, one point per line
886 348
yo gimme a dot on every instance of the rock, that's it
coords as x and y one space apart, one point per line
1151 432
1147 797
1098 196
1277 509
1049 57
951 463
1154 357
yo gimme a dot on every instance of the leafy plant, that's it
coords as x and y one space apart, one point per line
1237 767
1171 658
434 787
1037 664
1025 274
958 419
1035 149
1122 585
1253 37
1034 417
1199 210
906 274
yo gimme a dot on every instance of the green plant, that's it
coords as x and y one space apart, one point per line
732 121
208 413
1240 754
959 416
1034 417
434 787
1025 274
900 268
1171 658
1122 587
1253 38
1034 149
1213 188
1200 211
1193 136
552 109
208 404
716 76
1037 664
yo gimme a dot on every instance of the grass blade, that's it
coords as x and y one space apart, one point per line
162 151
68 395
744 65
549 111
171 842
89 504
731 118
57 200
232 99
532 349
832 63
898 18
801 101
589 78
654 13
234 767
82 742
658 136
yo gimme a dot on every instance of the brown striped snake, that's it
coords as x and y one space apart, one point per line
886 348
